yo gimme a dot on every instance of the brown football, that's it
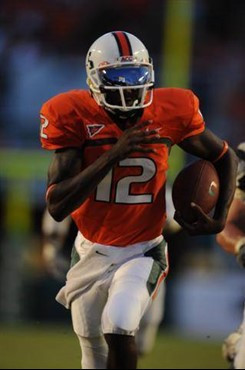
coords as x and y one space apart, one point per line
198 183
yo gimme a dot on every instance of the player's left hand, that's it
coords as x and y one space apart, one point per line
203 223
241 256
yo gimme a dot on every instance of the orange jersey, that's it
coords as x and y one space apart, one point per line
128 206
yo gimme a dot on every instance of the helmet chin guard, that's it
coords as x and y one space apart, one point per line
120 72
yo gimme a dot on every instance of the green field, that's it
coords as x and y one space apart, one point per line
57 348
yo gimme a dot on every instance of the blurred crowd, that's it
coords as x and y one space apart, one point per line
69 26
42 51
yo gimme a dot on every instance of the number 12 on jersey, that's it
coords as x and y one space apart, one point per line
122 187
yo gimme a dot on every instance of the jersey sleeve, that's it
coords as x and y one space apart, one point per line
60 128
196 125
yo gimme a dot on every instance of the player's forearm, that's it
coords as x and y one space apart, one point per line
230 238
227 169
68 195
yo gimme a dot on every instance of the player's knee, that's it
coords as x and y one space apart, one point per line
122 316
94 352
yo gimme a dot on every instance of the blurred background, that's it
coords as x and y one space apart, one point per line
197 44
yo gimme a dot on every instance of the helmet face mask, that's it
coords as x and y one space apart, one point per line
119 82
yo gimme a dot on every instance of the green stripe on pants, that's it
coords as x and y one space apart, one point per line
159 265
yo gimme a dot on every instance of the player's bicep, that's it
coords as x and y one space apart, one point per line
66 163
205 145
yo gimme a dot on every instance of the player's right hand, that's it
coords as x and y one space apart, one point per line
203 225
133 140
241 256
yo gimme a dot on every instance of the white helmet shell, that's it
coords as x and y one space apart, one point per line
123 56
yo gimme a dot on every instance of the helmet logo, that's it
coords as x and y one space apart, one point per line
90 62
128 58
122 79
94 129
212 188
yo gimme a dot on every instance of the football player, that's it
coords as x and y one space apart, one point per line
232 239
111 145
55 256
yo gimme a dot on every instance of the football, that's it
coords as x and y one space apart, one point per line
198 183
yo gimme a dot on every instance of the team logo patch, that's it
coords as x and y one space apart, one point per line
212 188
94 129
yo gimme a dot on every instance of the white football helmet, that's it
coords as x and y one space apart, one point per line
120 72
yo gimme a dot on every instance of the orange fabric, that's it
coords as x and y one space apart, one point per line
129 205
63 124
196 126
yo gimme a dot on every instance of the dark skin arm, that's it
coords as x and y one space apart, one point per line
208 146
73 185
